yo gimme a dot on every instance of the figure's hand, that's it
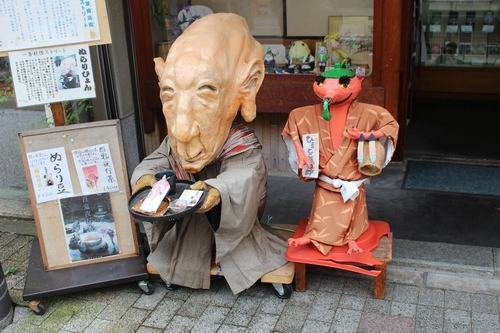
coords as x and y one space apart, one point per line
303 160
353 133
144 181
212 199
301 156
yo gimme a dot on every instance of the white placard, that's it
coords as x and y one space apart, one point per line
435 28
50 174
155 196
452 28
310 143
28 24
488 28
466 28
50 75
95 169
191 197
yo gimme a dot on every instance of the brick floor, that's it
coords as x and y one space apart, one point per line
331 304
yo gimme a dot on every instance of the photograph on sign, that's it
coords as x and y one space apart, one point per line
91 224
30 24
95 170
50 174
49 75
89 227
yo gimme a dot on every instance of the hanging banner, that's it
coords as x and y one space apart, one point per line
50 174
30 24
51 75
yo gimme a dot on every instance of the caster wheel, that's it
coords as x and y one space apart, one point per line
37 308
283 291
171 287
146 287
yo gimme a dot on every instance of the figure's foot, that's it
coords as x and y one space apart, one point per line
151 270
353 248
298 241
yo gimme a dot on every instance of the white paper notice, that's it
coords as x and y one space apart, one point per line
50 174
95 169
28 24
310 143
191 197
44 76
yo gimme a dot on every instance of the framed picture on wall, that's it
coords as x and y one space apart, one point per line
351 37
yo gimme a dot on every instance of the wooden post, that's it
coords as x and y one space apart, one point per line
58 114
300 277
379 284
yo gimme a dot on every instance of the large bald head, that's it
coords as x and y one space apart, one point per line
214 69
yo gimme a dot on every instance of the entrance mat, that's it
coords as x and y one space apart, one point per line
452 177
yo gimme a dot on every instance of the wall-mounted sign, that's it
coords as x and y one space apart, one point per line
50 75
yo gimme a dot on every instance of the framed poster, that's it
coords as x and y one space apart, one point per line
78 186
310 18
351 37
49 75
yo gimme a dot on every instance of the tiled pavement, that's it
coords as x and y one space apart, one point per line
331 304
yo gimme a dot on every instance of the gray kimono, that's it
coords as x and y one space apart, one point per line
243 248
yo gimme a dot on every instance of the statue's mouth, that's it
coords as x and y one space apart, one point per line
195 158
342 100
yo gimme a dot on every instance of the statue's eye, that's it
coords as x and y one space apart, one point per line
208 87
167 89
344 81
319 80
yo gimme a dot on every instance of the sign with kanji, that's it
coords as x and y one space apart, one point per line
30 24
95 169
51 75
79 191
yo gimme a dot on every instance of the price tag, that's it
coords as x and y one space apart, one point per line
452 28
466 28
435 28
488 28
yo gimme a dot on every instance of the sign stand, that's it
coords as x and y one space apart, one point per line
50 272
41 284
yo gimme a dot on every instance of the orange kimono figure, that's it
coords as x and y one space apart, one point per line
339 214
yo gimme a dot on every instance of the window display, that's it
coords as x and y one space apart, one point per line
292 31
461 33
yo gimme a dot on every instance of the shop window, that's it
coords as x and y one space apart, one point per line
297 36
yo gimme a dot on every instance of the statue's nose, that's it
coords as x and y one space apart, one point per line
185 128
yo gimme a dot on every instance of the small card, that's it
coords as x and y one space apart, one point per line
191 197
452 28
155 196
310 143
488 28
466 28
435 28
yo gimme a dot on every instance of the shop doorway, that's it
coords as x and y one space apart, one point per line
452 159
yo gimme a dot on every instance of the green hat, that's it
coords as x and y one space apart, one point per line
339 70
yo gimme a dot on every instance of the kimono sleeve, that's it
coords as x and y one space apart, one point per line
242 186
388 125
154 163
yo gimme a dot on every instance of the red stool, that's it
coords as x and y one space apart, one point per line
376 243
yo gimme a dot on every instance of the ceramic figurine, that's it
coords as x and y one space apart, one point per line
300 58
269 60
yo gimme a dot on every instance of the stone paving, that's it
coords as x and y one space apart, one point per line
331 304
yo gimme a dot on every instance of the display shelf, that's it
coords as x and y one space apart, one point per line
461 33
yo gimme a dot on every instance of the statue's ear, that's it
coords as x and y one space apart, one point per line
159 66
253 78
